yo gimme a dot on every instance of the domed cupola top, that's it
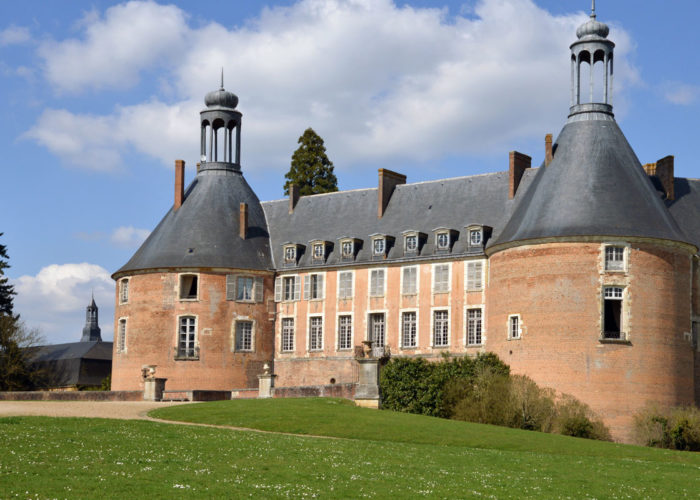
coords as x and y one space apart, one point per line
593 28
221 98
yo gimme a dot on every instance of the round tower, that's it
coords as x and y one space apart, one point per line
585 276
192 299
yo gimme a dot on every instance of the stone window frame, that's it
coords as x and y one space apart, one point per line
257 291
122 334
192 352
515 331
417 281
180 285
234 332
345 296
442 236
406 245
476 236
625 247
123 291
342 314
469 283
409 310
433 326
348 248
310 333
623 334
370 324
474 307
320 289
289 254
280 288
371 289
448 283
292 338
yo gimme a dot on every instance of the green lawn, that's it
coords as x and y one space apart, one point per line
388 455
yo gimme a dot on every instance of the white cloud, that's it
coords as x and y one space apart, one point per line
680 93
54 300
129 236
13 35
377 81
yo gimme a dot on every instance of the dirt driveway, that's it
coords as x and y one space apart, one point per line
128 410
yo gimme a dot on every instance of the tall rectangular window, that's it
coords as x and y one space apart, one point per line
121 336
315 333
475 275
473 326
244 335
313 286
614 258
186 347
408 329
376 329
441 328
409 284
290 288
287 334
344 332
376 283
124 291
514 327
244 287
188 286
612 313
345 285
441 278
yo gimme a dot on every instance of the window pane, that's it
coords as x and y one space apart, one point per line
474 327
440 328
377 329
344 332
408 329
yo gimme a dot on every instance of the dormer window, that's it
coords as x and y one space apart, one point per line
347 249
378 246
411 243
475 237
442 240
381 243
290 254
319 250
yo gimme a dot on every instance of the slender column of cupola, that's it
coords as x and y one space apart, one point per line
592 47
218 122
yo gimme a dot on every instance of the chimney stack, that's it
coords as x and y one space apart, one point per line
518 163
179 183
388 181
243 221
293 197
663 171
547 149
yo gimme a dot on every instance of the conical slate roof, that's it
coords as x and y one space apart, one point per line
204 231
594 186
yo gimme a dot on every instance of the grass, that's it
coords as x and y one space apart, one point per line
387 455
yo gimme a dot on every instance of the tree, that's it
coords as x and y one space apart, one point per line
311 169
7 291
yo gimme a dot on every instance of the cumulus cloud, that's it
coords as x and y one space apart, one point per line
380 82
680 93
54 300
129 236
13 35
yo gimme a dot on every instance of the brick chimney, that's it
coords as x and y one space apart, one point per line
547 149
664 172
243 221
518 163
179 183
388 181
293 197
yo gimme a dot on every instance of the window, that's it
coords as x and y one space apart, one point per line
313 286
287 288
344 332
319 251
514 326
188 287
186 345
244 335
315 333
614 258
121 336
442 241
376 283
473 326
290 254
347 249
612 313
379 246
345 285
441 278
408 329
411 243
475 237
441 330
244 288
376 329
475 275
124 291
409 284
287 334
694 334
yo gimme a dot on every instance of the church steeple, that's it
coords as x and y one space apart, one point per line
218 122
591 48
91 330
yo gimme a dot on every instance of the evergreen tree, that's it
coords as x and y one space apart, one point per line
7 291
311 169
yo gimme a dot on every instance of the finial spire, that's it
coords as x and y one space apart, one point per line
592 9
222 77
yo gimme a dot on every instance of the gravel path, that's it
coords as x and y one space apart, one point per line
128 410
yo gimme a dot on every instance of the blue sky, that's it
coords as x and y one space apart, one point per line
99 98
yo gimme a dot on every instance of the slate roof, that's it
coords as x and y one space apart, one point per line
204 231
423 206
594 185
74 363
685 208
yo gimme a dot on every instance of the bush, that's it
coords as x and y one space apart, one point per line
673 428
575 418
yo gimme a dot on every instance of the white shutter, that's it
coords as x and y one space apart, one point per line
258 289
278 289
321 289
307 287
230 287
297 288
478 275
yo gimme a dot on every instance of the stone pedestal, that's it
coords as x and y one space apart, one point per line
266 382
367 391
153 389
